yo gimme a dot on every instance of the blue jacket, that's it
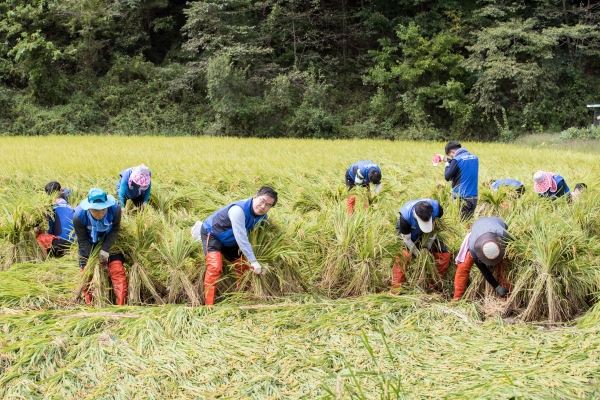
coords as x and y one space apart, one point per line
61 225
561 188
463 171
218 223
497 184
82 218
124 192
364 166
406 212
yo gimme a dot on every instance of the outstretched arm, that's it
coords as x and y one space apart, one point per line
238 224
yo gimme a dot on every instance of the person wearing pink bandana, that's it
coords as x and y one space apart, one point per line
550 185
134 184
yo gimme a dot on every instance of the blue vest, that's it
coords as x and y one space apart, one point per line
218 223
364 166
506 182
82 215
407 213
468 165
63 214
561 184
123 190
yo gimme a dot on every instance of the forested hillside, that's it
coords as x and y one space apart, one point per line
304 68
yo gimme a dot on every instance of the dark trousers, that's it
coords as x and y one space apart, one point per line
467 207
137 201
211 243
59 247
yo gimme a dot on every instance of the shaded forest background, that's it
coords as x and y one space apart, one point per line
371 68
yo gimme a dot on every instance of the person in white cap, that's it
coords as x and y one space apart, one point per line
484 246
550 185
416 218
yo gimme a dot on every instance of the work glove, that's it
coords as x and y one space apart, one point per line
431 241
256 267
412 247
103 257
377 188
501 291
359 179
196 231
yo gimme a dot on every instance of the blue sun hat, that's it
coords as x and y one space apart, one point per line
97 199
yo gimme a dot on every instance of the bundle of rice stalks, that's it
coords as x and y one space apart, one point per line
586 212
493 202
557 271
139 233
18 221
94 279
176 250
421 271
358 251
274 251
168 199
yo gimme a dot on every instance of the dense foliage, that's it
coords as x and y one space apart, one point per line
370 68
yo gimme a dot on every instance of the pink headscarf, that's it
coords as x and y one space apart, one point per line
140 175
542 181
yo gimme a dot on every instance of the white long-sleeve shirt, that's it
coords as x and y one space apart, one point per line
238 225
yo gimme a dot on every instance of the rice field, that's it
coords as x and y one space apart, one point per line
322 322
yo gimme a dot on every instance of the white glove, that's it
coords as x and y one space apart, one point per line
431 241
358 179
412 247
196 229
447 164
103 257
256 267
377 188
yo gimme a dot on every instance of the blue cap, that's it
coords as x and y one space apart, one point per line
97 199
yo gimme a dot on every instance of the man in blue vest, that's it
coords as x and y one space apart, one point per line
59 237
462 169
134 184
416 218
509 183
97 222
484 246
225 232
362 173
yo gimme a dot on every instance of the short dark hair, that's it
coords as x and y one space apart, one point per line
374 176
52 187
580 186
424 210
520 190
452 145
269 191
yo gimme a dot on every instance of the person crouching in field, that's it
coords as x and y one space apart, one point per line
59 237
550 185
416 218
509 183
97 222
134 184
578 191
484 246
462 169
362 173
225 232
